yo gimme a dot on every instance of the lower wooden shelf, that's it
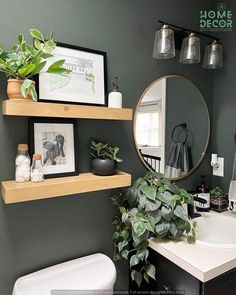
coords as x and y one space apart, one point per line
13 192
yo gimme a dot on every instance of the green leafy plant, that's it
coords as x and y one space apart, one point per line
151 208
217 192
103 150
24 60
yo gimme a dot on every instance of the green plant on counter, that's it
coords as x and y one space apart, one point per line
23 60
217 192
151 208
103 150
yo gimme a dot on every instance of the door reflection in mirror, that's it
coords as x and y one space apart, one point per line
150 124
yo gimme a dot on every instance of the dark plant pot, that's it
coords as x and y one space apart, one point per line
104 167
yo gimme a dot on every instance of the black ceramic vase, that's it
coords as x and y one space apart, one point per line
104 167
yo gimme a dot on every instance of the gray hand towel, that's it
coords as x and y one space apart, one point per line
178 163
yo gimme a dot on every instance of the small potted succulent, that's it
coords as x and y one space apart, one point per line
23 61
105 157
219 199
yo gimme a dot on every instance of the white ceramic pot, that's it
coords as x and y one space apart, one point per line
115 99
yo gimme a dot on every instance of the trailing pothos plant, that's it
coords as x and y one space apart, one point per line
24 60
151 208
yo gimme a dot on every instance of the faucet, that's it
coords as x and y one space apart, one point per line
191 213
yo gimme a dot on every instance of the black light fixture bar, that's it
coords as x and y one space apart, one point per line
188 30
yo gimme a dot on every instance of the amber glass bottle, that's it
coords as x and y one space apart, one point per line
203 191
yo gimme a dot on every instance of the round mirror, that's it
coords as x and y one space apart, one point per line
171 127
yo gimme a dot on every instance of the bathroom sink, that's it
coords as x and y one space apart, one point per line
216 230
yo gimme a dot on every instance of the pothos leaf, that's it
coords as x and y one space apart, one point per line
151 271
191 238
25 87
146 277
33 93
134 260
143 254
125 234
166 213
162 228
152 206
115 235
21 38
56 64
150 225
149 191
36 34
121 245
139 227
156 215
125 253
180 212
137 277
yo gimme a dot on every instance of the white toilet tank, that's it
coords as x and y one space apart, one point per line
93 272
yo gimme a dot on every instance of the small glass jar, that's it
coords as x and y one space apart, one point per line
37 169
22 173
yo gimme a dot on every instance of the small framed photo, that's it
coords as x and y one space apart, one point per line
87 83
56 141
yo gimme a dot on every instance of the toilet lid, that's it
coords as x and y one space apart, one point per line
94 272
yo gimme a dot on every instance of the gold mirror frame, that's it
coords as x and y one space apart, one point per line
208 120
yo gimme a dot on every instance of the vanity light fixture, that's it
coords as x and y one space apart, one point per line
213 58
164 44
166 40
190 50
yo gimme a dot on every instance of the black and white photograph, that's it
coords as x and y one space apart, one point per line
86 83
53 148
55 140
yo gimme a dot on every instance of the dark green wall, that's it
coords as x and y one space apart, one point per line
184 103
37 234
224 114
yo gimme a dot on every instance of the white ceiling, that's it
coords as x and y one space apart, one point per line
155 92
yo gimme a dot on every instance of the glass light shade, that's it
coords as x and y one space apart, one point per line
213 58
190 50
164 44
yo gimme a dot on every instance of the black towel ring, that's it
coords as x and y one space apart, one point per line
184 127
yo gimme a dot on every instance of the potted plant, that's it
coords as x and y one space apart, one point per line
23 61
219 199
151 208
105 157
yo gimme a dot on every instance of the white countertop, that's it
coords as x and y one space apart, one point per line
203 262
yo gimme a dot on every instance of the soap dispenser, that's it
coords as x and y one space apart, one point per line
203 192
115 97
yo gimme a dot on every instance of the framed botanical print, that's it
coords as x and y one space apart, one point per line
86 83
56 141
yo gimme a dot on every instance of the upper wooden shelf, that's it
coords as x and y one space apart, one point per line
41 109
13 192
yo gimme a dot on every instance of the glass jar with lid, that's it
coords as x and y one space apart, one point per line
22 173
37 169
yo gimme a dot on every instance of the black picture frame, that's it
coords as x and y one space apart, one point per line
36 120
67 100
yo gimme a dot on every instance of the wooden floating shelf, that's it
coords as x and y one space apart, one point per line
13 192
42 109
